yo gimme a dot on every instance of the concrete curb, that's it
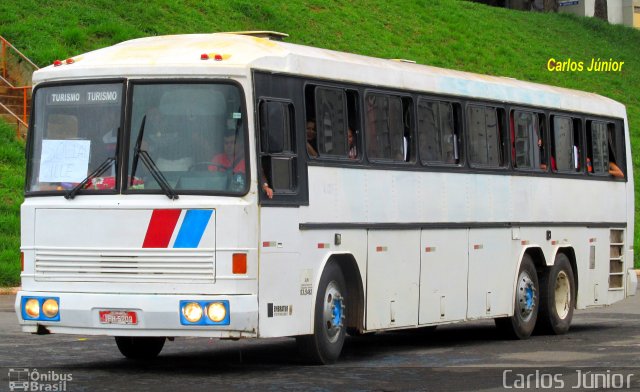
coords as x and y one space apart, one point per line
9 290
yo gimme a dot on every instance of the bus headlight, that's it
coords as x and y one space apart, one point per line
203 312
32 308
50 308
40 308
216 312
192 311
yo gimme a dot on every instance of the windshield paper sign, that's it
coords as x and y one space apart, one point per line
64 160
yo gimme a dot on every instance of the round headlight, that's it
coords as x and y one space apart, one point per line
32 308
216 312
192 312
50 308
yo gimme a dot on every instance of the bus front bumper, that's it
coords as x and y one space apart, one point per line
138 315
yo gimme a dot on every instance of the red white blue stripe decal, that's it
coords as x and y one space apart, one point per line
163 223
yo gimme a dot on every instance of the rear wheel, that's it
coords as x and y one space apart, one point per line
325 345
140 347
557 299
527 302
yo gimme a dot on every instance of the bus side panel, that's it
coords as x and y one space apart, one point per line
443 275
393 274
282 310
490 277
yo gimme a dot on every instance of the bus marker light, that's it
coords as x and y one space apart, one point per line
239 263
216 312
204 56
50 308
525 242
430 249
70 61
32 308
218 57
22 261
592 240
57 63
554 242
381 248
323 245
477 247
192 311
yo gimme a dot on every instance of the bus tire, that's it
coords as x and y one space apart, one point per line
325 344
557 297
140 347
526 305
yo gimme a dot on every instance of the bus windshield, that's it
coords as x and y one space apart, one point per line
75 130
181 138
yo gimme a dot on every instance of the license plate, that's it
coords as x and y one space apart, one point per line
120 317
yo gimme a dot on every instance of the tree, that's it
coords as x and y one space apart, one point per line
600 10
551 5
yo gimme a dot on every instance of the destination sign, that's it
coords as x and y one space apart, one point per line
84 95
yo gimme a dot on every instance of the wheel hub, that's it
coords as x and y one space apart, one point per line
562 295
526 296
333 312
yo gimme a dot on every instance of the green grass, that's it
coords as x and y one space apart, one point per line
11 189
445 33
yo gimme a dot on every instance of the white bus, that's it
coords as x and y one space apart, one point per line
234 186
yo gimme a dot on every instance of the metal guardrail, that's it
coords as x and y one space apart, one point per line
20 124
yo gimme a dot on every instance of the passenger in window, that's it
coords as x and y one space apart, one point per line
615 171
311 138
353 152
265 168
265 186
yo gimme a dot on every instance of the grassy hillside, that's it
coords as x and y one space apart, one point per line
11 189
446 33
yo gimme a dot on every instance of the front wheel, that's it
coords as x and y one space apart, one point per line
140 347
557 299
527 300
325 345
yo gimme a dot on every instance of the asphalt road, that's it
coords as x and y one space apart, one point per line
602 350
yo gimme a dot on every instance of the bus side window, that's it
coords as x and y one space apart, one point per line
278 156
566 144
528 140
616 150
486 136
437 133
331 121
388 128
597 148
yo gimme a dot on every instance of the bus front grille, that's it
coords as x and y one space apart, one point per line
125 265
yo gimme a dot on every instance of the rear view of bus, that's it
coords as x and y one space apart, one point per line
137 218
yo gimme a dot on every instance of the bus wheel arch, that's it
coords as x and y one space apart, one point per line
355 303
337 308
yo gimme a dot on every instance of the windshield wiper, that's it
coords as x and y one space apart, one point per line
157 174
101 169
136 150
139 153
